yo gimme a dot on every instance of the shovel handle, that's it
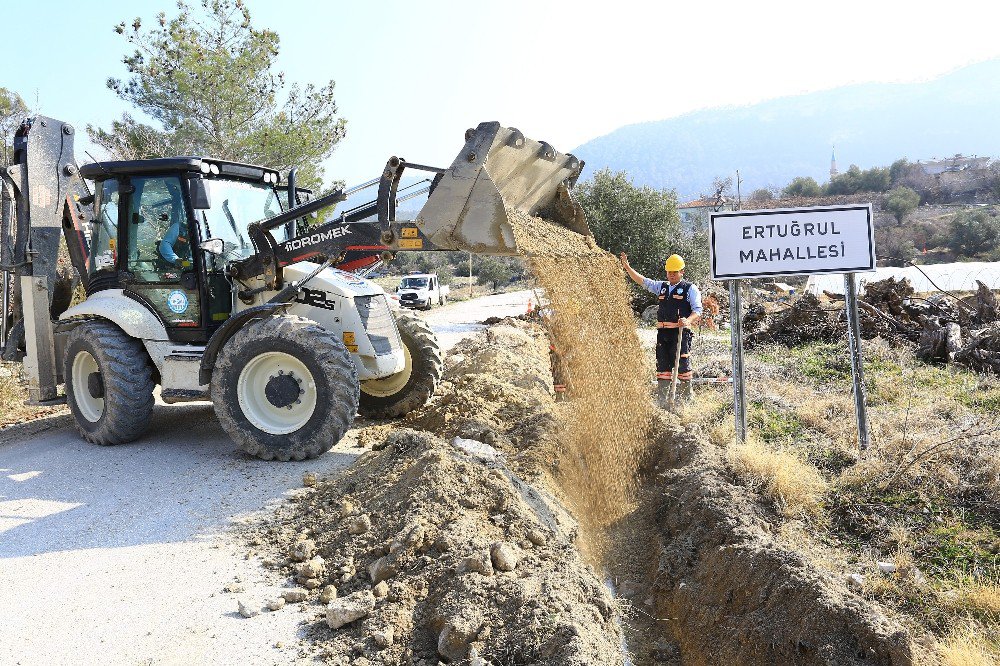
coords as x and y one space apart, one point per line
677 364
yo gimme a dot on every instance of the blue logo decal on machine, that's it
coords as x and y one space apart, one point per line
177 301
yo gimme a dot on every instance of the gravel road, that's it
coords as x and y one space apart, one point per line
121 555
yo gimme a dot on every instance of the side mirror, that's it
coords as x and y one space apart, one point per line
199 194
214 246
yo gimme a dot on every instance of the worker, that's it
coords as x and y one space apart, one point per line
174 248
679 309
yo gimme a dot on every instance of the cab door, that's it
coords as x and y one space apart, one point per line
161 265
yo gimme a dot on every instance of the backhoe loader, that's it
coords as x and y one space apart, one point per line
198 280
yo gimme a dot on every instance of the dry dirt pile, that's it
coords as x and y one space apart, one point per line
497 389
433 547
431 550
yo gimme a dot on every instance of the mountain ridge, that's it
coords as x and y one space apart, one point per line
773 141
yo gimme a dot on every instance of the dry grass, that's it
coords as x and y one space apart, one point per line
13 393
922 496
965 647
9 391
979 598
12 396
796 487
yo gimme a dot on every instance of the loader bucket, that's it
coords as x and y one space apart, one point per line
500 175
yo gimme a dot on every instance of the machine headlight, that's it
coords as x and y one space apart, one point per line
205 167
215 169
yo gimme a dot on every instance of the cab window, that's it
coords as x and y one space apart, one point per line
104 234
159 242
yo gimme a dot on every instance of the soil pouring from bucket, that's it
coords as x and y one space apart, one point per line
592 327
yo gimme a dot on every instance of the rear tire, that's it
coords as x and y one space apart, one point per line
109 383
285 388
410 389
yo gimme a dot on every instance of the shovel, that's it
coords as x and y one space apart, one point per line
677 364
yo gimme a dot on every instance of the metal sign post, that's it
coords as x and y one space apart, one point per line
857 367
793 241
736 335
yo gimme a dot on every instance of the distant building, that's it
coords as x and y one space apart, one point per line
694 214
833 164
955 164
957 179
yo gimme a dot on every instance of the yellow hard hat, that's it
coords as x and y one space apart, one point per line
674 263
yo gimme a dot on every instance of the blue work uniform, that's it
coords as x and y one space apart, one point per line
167 245
680 300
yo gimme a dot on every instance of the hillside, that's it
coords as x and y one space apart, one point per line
774 141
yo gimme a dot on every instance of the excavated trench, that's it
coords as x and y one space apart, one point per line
491 526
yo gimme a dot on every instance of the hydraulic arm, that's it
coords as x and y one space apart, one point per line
498 171
42 197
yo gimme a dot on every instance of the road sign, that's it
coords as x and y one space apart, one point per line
791 241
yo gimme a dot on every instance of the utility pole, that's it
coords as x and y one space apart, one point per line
470 275
739 199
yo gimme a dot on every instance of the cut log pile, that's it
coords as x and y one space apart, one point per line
942 327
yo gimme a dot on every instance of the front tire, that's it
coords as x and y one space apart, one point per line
411 388
109 383
285 388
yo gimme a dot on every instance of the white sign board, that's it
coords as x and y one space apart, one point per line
792 241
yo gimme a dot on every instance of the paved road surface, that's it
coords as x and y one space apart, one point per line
119 555
457 321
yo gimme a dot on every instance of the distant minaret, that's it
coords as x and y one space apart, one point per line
833 164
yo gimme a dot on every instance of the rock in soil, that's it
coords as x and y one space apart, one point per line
350 608
359 524
303 550
249 607
504 556
314 568
328 594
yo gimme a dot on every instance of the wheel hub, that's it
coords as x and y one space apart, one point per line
283 390
277 392
88 386
95 385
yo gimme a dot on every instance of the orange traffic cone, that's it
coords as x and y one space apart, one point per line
531 307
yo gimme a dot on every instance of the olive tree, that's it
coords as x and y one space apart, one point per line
901 201
643 223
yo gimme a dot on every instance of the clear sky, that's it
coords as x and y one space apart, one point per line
412 76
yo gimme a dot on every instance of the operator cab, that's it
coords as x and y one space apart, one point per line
151 219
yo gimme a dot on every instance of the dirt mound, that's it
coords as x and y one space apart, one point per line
497 388
439 551
735 594
433 549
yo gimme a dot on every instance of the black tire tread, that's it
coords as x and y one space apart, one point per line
128 382
428 366
339 408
